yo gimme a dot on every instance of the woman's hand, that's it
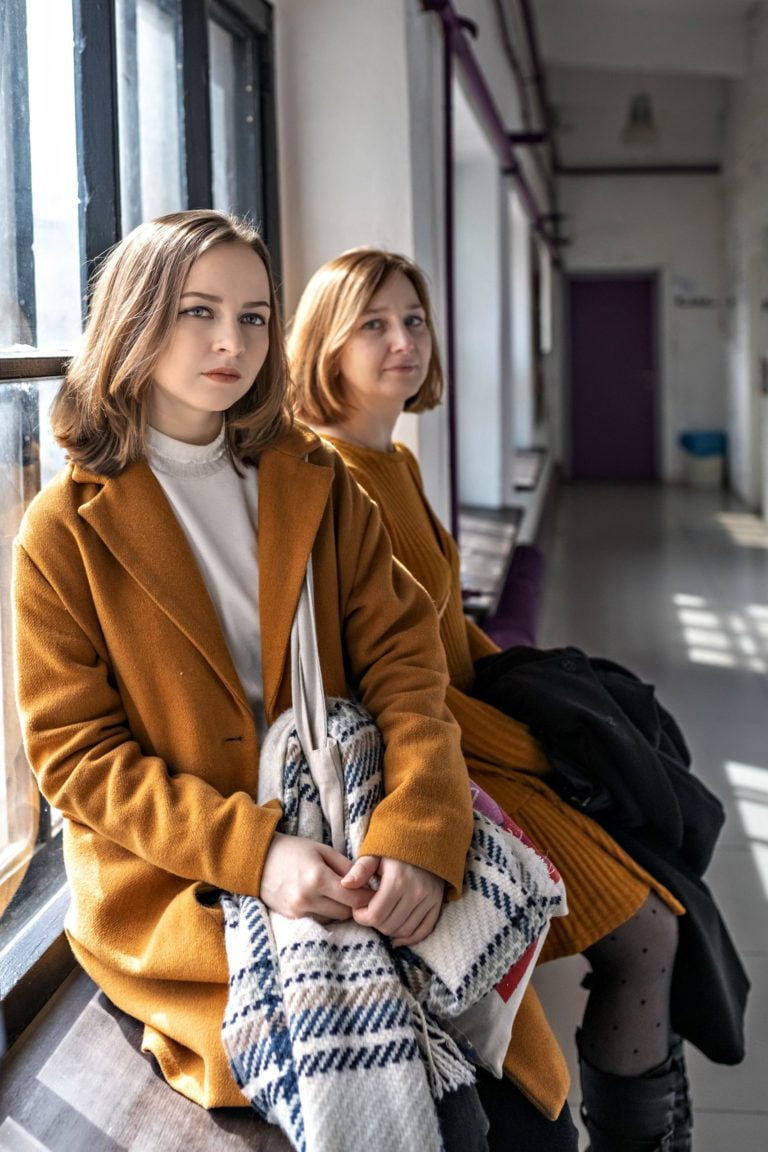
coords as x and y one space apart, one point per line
406 905
303 878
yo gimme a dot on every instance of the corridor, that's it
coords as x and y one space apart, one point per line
673 583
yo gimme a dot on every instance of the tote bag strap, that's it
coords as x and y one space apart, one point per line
321 753
306 674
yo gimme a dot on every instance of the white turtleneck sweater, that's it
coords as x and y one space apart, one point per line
218 512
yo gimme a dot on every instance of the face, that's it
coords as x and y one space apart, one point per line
386 358
217 347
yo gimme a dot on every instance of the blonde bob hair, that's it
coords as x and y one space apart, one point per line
100 414
330 306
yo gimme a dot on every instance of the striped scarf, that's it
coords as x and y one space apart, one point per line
339 1039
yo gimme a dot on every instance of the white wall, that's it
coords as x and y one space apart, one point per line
746 211
427 434
344 145
482 442
673 225
493 288
360 156
521 308
360 151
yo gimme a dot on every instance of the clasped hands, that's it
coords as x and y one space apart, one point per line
304 878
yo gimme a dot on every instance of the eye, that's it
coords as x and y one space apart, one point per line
414 321
253 318
372 325
196 310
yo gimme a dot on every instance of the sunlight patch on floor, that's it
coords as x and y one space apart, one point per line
683 600
745 529
724 638
749 785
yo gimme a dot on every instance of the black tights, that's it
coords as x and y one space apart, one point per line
626 1026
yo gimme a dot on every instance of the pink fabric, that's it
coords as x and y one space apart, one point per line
487 806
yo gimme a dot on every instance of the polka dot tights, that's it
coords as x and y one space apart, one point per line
626 1027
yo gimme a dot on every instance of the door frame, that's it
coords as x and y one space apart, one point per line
654 275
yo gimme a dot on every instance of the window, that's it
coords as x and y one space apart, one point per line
150 109
19 803
235 115
244 172
13 324
110 114
40 284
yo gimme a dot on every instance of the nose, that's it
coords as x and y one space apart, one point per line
402 337
228 336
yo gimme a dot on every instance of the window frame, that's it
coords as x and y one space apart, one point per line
39 958
22 174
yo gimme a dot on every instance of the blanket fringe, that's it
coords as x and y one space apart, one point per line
446 1065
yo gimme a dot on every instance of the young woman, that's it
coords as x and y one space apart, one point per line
362 350
155 585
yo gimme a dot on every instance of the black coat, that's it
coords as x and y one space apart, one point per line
619 756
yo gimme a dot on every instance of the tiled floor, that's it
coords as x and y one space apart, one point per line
674 584
671 584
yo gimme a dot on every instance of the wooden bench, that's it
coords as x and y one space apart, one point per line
77 1081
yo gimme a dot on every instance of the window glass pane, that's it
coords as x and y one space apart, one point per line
235 127
11 325
19 480
52 457
39 213
150 109
223 83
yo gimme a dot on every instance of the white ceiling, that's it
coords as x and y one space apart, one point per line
691 7
697 37
682 53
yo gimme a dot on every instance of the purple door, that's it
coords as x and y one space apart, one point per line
613 378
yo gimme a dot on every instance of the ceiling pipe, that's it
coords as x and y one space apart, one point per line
524 91
455 28
540 81
450 290
707 168
518 138
514 63
539 78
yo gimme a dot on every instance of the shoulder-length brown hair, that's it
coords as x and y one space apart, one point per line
330 306
100 414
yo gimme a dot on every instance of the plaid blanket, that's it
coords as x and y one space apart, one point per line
339 1039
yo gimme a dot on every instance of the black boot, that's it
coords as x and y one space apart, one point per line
629 1113
683 1115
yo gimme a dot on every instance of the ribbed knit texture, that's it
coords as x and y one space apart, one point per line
604 885
419 540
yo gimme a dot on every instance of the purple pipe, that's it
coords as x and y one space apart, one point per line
540 78
450 292
455 45
455 35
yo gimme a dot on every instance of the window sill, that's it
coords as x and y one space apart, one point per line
34 364
34 954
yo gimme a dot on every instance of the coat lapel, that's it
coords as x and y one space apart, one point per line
133 518
293 494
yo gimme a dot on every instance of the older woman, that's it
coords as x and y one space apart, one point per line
362 350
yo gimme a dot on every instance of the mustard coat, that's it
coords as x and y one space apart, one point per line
138 729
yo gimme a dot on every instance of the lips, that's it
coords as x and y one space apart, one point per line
222 374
